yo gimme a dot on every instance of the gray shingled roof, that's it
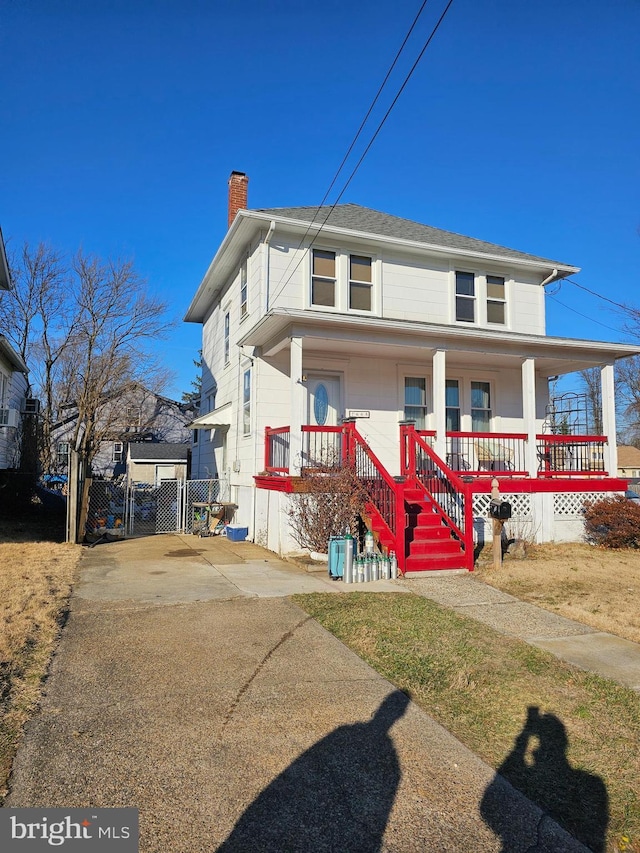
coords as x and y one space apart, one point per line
357 218
163 450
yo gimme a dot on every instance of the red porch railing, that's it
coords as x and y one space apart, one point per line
487 453
386 494
498 454
276 449
322 446
451 494
571 455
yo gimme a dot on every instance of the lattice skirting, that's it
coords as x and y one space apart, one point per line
571 504
520 506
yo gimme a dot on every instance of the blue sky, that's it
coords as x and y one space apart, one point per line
121 122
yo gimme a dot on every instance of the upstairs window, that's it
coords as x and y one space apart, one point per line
415 400
323 280
227 326
360 283
118 451
496 299
243 290
62 453
465 297
133 415
480 407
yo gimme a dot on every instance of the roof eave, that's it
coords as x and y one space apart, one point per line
260 333
12 356
249 222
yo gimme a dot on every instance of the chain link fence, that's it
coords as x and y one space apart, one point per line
140 509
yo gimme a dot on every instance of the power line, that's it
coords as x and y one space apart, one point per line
611 329
599 295
349 150
371 141
353 142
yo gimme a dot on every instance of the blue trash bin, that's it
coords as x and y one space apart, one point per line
341 556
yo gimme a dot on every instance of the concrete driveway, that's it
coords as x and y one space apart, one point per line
188 686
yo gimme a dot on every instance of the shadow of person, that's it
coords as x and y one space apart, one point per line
336 796
538 767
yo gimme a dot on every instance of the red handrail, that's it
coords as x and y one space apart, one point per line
386 494
452 486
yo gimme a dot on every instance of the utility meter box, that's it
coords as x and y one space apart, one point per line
500 510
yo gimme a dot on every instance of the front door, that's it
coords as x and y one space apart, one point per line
322 446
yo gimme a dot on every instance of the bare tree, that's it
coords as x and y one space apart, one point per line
593 390
84 330
39 323
628 394
115 321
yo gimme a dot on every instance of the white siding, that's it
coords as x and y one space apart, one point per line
16 384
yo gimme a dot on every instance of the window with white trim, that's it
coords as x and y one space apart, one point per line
62 453
4 389
246 402
415 400
465 297
323 278
496 299
452 403
480 407
118 451
134 415
243 290
360 283
227 329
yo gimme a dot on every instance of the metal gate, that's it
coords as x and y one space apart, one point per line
142 509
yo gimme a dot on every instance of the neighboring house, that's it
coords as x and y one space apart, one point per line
313 318
13 385
628 462
152 463
135 415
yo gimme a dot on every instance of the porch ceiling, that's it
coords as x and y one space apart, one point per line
351 336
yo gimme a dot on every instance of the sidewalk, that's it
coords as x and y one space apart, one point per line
578 644
234 722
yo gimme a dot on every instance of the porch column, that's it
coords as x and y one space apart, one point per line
297 407
529 414
607 383
439 369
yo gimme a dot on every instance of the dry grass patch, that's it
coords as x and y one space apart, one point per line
35 582
596 586
480 684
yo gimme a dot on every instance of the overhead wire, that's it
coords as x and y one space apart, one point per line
368 147
599 295
355 139
584 316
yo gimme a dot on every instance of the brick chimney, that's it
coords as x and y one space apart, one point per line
238 183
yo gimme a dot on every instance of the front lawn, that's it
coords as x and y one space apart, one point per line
480 685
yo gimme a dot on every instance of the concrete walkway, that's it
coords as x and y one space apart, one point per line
188 686
578 644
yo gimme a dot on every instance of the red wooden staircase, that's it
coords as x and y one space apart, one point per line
430 543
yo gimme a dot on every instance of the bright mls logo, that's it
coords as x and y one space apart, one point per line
107 830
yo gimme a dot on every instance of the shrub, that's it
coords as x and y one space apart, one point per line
328 503
613 522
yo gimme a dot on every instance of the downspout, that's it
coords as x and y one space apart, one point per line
550 278
265 269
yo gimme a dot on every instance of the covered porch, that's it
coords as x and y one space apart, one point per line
480 398
501 455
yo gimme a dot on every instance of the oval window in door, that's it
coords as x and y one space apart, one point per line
321 404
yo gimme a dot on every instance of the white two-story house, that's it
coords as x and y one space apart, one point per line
418 355
13 385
